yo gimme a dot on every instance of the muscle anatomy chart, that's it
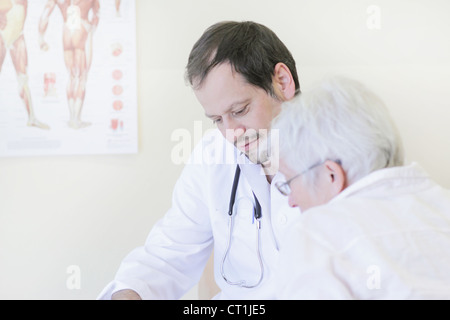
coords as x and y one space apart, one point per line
67 77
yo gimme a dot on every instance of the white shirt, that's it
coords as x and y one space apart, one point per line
387 236
179 245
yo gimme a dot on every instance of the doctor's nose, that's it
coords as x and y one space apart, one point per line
237 133
234 131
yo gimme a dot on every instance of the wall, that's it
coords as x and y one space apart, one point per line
90 211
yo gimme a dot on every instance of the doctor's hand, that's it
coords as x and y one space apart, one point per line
125 295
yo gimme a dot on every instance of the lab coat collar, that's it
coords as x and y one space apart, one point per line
255 176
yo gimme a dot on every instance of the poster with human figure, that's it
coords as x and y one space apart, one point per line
67 77
12 41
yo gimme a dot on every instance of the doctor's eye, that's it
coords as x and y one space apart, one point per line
217 121
241 112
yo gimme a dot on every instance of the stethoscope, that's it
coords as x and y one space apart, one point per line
257 216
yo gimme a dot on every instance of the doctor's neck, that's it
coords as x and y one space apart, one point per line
268 170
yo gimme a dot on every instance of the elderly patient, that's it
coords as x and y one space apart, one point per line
371 227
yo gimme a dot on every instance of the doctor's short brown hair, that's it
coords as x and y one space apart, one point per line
252 50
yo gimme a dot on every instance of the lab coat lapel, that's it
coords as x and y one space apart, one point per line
258 182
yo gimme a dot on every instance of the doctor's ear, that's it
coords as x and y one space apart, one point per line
337 178
283 82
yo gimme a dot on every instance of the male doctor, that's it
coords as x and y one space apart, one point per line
241 73
371 227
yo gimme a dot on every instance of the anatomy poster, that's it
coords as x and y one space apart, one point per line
67 77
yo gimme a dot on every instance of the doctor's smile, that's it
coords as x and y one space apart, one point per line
247 144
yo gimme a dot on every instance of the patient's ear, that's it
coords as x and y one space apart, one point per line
336 176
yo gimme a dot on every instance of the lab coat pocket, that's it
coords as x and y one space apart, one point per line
243 211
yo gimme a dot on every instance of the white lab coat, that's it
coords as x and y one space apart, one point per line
385 237
178 247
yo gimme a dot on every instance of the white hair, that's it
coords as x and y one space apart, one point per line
339 120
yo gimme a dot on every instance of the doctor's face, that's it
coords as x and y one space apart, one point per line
241 111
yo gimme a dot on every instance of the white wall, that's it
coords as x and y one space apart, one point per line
90 211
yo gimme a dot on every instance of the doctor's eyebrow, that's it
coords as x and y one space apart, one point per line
232 106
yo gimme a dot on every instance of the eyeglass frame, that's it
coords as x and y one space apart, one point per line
283 185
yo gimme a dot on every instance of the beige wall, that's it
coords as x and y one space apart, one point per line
89 211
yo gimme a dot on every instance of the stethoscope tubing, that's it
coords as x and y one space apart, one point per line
231 213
